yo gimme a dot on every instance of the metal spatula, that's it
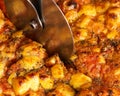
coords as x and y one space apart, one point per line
43 21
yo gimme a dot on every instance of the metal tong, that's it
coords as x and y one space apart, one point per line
43 21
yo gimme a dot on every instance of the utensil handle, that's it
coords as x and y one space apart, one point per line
38 5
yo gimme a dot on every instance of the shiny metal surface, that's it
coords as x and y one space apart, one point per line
49 25
24 16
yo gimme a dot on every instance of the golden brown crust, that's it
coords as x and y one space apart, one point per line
95 25
26 69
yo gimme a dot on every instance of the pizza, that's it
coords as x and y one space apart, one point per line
26 69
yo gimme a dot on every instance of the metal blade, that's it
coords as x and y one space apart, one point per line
52 30
24 16
59 36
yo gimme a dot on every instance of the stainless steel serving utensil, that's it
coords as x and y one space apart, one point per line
43 21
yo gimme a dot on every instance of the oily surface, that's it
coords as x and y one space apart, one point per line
27 70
